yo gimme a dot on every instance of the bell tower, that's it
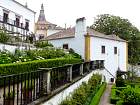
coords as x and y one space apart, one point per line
41 24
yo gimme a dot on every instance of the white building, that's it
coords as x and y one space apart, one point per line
16 18
92 45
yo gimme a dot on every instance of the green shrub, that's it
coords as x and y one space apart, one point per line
96 98
114 98
5 57
120 82
3 37
30 55
75 55
130 96
119 102
16 68
81 94
42 44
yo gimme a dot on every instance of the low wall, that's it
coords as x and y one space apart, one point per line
11 48
7 47
55 100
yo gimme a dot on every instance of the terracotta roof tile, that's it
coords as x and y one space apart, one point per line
101 35
70 33
66 33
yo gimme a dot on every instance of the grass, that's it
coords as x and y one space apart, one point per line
95 100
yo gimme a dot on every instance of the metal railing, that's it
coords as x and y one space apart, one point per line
14 28
22 89
13 23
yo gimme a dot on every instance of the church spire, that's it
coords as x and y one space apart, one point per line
42 18
42 7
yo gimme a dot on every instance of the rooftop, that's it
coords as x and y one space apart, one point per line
23 6
42 20
70 33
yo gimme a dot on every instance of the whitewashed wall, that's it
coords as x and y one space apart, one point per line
10 48
78 42
16 9
112 61
57 99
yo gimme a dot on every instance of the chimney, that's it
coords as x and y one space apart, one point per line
80 28
26 5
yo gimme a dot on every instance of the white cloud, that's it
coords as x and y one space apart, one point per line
66 11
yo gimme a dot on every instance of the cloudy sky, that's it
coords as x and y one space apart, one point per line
67 11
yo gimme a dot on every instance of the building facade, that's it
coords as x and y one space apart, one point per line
92 45
43 28
16 18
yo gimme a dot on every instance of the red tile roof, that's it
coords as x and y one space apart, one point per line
70 33
66 33
101 35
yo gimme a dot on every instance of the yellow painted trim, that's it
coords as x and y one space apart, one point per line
126 55
87 47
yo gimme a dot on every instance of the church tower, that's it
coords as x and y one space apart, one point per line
41 24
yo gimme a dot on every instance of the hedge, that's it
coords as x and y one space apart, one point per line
96 98
80 95
16 68
115 91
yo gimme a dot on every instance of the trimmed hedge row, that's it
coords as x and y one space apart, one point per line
8 69
96 98
115 92
81 95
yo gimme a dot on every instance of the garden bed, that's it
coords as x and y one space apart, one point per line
82 94
96 99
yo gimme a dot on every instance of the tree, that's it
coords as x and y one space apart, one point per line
3 37
109 24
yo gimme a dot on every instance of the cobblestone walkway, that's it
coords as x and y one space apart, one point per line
105 97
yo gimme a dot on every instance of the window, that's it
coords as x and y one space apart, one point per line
5 17
103 49
17 21
27 24
115 50
65 46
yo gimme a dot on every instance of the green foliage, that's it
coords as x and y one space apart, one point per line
83 92
119 102
114 97
120 82
28 85
3 37
109 24
130 96
42 44
75 55
15 68
127 95
10 95
96 98
5 57
45 53
30 55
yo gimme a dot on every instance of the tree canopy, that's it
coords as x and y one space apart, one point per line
3 37
110 24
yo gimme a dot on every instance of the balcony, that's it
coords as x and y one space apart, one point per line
13 26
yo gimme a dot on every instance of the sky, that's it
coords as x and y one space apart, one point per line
63 12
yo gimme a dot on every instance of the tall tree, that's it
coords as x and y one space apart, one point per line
110 24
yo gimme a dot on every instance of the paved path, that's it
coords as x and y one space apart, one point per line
105 97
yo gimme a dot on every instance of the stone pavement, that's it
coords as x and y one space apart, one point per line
105 97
